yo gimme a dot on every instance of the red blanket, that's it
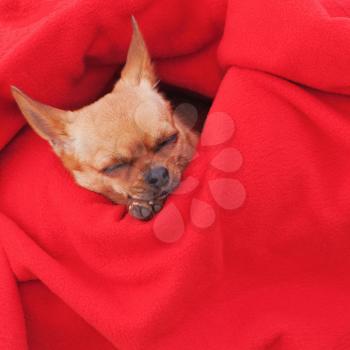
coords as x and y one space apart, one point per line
253 251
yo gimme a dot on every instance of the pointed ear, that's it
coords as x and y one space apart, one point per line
49 122
138 65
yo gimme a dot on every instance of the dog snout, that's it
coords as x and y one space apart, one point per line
157 176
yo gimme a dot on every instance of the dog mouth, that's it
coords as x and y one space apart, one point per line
149 197
160 195
163 195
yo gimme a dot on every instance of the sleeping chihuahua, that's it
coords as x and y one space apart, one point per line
129 145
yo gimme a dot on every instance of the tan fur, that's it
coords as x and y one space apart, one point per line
124 125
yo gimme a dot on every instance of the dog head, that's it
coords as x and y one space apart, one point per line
128 145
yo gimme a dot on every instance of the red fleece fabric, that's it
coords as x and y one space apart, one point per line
253 252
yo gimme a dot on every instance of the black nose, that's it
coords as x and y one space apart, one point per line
157 176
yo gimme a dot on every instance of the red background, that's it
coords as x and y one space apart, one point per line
76 273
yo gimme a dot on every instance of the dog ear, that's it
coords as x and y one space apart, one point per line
138 65
49 122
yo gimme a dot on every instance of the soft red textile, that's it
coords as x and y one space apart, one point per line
253 252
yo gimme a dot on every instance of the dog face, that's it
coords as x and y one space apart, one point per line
128 146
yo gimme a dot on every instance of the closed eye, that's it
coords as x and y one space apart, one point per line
114 167
168 141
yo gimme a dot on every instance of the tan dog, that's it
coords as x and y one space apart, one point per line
129 145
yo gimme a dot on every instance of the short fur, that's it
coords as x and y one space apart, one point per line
125 127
